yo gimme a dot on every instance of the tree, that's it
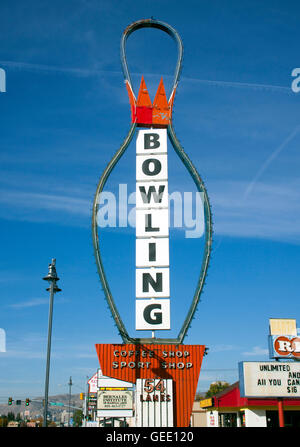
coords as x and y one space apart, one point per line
77 418
216 387
10 416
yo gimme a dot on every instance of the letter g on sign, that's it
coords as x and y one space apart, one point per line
153 317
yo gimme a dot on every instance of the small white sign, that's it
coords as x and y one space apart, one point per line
114 400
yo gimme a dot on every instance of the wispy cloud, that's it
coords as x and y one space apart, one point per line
35 302
43 68
243 85
222 348
272 211
42 207
31 303
256 351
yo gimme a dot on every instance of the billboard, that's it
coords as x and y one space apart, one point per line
269 379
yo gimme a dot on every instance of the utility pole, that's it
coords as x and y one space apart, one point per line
86 409
70 387
52 289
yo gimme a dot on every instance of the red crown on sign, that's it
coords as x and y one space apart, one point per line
146 114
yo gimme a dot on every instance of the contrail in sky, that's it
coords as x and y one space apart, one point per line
270 159
94 72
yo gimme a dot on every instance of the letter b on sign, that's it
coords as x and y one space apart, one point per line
152 314
151 141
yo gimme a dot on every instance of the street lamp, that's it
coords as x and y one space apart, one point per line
70 387
51 278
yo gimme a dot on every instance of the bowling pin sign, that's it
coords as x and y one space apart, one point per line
152 231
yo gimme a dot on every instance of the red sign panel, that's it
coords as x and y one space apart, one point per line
181 363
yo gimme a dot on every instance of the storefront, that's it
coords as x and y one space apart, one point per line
229 409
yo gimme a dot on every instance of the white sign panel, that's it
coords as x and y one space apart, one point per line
153 282
151 142
151 167
154 403
152 314
152 195
150 223
152 252
269 379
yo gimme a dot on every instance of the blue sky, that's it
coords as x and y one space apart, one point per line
64 114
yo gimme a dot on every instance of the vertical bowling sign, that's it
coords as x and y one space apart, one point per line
152 231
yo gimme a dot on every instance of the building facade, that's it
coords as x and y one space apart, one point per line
229 409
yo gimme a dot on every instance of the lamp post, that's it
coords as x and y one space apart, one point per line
70 387
51 278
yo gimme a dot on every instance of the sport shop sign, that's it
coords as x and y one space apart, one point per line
181 363
152 231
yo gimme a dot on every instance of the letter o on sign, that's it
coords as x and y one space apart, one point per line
151 166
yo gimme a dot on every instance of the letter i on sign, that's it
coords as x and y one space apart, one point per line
152 231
